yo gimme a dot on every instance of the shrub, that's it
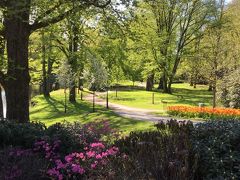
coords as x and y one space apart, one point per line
161 154
229 90
21 164
74 136
16 134
217 144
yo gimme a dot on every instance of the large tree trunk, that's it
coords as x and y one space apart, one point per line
150 82
17 38
73 49
1 105
44 71
2 47
163 83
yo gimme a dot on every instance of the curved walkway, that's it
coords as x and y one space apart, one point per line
132 113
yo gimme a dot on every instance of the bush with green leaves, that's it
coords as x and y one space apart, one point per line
229 90
217 145
16 134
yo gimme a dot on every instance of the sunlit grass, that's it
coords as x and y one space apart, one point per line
183 94
51 110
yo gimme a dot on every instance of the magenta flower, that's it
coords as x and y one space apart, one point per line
113 151
68 158
93 166
98 156
77 169
97 145
90 154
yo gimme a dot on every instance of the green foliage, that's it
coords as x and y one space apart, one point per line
65 75
216 143
95 74
229 90
20 134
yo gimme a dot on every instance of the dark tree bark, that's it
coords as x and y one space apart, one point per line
17 38
73 47
1 106
160 84
44 71
2 49
80 85
163 83
210 88
150 82
16 33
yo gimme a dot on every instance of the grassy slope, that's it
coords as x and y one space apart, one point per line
183 94
51 110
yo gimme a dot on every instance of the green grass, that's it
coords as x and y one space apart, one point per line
51 110
183 94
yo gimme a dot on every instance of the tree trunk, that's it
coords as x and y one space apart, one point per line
2 48
161 81
1 105
44 71
214 96
73 46
169 87
210 88
150 82
80 84
17 85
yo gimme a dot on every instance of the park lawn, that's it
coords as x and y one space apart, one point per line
183 94
51 110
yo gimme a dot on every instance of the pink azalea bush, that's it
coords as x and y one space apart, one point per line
88 162
65 151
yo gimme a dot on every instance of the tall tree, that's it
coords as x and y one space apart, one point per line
16 31
175 27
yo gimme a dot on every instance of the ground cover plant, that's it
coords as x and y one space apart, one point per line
203 112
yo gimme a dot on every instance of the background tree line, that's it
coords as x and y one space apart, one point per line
157 41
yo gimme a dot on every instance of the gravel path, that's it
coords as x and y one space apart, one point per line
132 113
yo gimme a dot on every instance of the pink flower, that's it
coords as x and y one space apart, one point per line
80 155
104 154
60 177
98 156
113 151
97 145
59 164
68 158
90 154
93 166
53 172
77 169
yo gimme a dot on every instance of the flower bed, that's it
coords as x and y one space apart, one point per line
203 112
